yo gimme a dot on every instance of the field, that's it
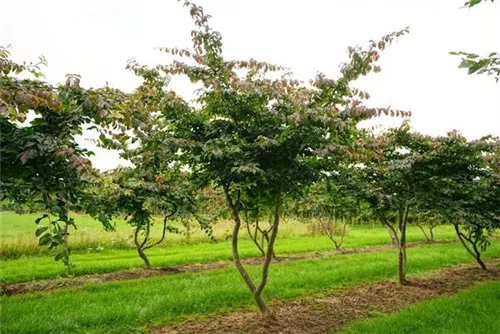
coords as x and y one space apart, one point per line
146 304
470 311
97 251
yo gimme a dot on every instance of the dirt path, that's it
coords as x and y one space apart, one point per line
329 313
59 283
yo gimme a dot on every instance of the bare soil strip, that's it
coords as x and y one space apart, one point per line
59 283
328 313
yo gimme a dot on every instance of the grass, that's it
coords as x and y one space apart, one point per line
131 306
17 234
109 260
471 311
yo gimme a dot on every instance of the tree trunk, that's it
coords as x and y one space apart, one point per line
478 257
256 290
187 225
140 245
143 256
342 235
253 236
424 233
66 249
269 255
475 252
392 232
403 218
234 244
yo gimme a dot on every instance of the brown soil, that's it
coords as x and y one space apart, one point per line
58 283
327 314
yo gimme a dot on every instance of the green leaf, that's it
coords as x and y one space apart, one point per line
472 3
60 256
40 230
45 240
38 220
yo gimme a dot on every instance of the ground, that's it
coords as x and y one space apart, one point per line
194 287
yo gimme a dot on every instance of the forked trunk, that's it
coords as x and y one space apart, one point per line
256 290
140 245
474 252
143 256
253 236
392 232
427 237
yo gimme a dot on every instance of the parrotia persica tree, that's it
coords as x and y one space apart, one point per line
40 158
427 221
391 179
465 188
141 194
333 204
254 132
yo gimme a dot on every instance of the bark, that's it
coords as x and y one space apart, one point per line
164 230
392 232
423 231
265 236
431 232
234 242
187 225
474 252
342 235
140 245
66 247
253 236
478 256
403 218
332 235
269 255
256 290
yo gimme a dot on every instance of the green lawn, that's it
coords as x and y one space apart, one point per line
126 306
475 310
17 234
110 260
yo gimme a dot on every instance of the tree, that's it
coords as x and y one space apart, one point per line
255 136
334 205
426 219
141 195
391 180
465 189
41 161
254 211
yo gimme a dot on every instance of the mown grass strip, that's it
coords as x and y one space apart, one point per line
129 306
44 267
473 310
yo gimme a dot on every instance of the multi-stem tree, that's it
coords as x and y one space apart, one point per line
391 179
141 195
255 135
465 188
426 221
334 205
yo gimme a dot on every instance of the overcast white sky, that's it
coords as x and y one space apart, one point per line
96 37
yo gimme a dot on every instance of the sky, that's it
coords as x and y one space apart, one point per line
95 38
